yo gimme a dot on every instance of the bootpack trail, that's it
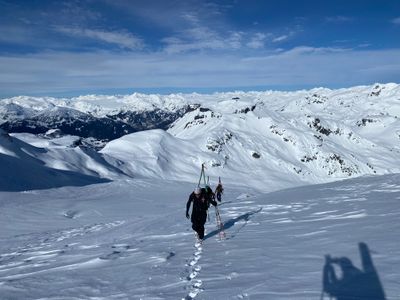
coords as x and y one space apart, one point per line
130 240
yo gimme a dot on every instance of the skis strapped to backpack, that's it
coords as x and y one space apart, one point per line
202 175
218 191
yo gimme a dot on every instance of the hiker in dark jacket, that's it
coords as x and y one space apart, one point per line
201 201
219 190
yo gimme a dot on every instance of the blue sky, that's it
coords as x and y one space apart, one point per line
66 48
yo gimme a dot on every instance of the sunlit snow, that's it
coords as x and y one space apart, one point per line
306 174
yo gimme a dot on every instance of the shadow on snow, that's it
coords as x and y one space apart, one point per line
228 224
353 284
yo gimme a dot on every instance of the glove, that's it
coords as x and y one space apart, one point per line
187 215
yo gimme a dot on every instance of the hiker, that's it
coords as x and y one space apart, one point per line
219 190
201 201
354 283
209 194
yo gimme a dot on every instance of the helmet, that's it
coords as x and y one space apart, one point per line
197 191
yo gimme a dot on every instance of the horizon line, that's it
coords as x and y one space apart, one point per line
183 90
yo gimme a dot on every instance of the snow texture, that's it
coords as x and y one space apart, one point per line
268 140
129 239
306 174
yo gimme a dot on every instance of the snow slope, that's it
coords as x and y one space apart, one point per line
273 140
129 239
268 140
265 140
22 169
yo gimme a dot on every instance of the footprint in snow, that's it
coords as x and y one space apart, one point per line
121 246
193 271
170 255
194 260
71 214
192 275
197 284
195 290
120 251
112 256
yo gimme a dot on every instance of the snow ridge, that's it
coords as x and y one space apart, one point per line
274 140
266 140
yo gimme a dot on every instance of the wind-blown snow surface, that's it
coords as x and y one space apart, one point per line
129 239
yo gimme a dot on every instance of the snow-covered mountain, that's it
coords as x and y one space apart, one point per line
274 139
110 224
267 140
101 117
23 169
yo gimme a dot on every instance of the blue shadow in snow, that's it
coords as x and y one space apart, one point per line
18 175
353 284
228 224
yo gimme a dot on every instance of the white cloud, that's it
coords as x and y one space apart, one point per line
202 38
306 50
190 17
396 21
172 15
364 45
280 38
122 39
235 40
257 41
302 66
338 19
203 29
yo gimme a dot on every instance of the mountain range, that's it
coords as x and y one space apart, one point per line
267 140
95 213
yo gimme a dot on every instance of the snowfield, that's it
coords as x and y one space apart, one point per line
129 239
306 174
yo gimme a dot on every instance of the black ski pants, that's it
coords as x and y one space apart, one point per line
198 222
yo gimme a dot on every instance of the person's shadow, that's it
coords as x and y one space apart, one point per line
353 284
228 224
